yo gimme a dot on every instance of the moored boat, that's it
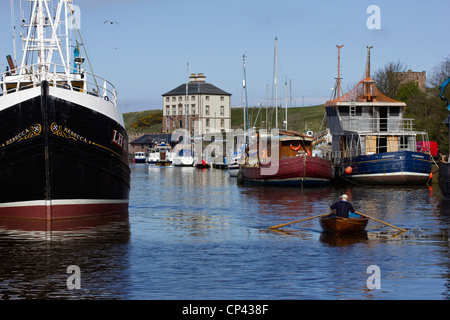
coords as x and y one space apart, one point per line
372 142
161 155
287 160
63 144
140 157
202 164
233 169
339 225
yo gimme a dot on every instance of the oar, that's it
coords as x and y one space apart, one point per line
390 225
286 224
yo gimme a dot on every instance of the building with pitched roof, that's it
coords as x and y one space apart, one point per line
207 109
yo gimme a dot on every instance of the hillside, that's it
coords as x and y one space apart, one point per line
149 121
299 119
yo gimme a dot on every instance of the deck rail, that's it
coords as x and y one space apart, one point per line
82 81
377 125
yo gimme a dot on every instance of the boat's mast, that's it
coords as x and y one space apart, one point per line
13 20
244 87
67 15
41 34
246 100
339 72
186 106
368 62
275 84
267 107
286 97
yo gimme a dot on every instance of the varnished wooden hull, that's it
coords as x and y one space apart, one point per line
290 171
338 225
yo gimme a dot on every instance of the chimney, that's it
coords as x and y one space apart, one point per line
197 77
201 77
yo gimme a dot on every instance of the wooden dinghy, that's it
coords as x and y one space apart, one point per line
339 225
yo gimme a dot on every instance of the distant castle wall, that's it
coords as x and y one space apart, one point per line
418 77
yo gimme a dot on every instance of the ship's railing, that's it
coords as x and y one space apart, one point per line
394 145
58 76
377 125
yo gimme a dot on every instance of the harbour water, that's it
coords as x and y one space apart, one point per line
196 234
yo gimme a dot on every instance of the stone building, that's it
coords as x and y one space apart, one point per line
419 78
207 110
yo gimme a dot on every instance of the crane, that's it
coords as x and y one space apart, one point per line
442 90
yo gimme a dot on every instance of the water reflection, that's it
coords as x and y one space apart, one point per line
35 257
344 240
196 234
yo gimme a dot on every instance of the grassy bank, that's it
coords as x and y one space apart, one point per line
299 119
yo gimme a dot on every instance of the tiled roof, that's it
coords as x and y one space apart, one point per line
197 88
149 138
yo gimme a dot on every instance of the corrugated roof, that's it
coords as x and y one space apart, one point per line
197 88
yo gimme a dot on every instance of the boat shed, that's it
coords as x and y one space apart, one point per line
147 141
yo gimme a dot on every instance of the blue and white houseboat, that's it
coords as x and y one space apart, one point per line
372 143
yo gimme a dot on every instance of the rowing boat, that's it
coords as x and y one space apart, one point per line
339 225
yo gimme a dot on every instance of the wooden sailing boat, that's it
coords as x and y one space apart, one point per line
287 159
294 164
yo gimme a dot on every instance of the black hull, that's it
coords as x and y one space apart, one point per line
59 159
444 179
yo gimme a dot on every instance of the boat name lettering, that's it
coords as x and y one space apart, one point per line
66 133
416 156
31 132
385 157
119 140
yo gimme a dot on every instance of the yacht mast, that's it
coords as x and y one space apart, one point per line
275 84
186 126
244 86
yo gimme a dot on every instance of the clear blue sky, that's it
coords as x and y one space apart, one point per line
146 54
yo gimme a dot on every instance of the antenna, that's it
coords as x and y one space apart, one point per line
339 72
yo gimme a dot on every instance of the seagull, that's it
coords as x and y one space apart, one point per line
111 22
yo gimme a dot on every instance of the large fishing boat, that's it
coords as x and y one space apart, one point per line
286 160
372 143
63 145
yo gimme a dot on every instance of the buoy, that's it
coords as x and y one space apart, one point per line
348 170
431 176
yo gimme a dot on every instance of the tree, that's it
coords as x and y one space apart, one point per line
388 78
428 114
407 90
440 72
